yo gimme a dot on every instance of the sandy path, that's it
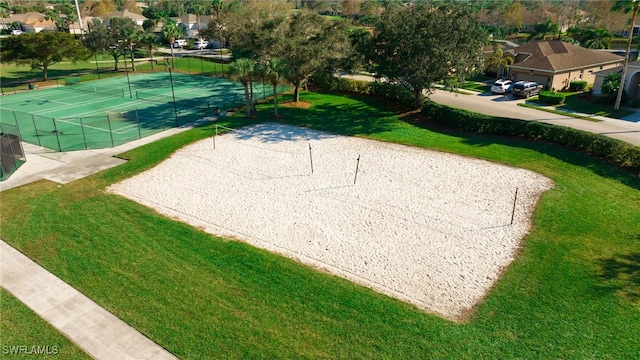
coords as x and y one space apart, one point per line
426 227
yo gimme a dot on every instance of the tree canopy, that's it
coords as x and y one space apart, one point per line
420 45
43 49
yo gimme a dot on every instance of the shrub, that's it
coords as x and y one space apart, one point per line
578 85
618 152
395 93
551 97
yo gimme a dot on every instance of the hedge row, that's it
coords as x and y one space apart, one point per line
618 152
395 93
577 85
615 151
551 97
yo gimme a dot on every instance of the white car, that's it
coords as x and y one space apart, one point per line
16 32
501 86
179 43
200 44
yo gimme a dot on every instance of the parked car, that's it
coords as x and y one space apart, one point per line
501 86
16 32
178 43
526 89
200 44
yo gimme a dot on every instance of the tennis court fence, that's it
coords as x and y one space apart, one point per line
11 151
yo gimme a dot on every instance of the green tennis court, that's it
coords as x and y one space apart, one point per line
113 111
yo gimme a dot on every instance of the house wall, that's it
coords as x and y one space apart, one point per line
560 80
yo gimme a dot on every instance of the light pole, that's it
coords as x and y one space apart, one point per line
173 93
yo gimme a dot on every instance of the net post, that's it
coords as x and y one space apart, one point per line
33 119
215 133
55 130
138 121
110 130
122 91
357 167
310 158
84 137
513 211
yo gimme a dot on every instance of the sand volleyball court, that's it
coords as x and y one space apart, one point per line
426 227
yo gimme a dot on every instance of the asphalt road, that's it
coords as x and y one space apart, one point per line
507 106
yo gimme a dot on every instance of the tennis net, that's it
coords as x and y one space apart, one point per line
117 92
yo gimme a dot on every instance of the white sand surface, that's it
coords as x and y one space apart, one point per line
430 228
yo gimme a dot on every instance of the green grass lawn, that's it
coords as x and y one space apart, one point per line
475 86
20 326
573 292
578 108
574 103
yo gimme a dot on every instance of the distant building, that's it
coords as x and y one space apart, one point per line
555 64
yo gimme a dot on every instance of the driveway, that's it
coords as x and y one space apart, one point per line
506 106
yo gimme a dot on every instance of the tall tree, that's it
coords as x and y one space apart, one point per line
96 39
499 61
312 44
121 32
420 45
596 38
171 31
273 70
541 30
626 6
197 8
43 49
62 15
243 70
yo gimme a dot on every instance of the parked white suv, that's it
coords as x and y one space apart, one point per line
501 86
200 44
526 89
178 43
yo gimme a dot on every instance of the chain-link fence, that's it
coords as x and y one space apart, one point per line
11 151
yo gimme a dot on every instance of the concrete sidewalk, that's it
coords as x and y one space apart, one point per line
64 167
95 330
98 332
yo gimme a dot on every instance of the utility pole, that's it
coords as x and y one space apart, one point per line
616 106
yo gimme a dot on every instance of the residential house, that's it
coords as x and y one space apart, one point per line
631 80
137 18
555 64
74 27
31 22
189 22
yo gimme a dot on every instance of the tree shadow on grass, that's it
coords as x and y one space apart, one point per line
621 274
358 115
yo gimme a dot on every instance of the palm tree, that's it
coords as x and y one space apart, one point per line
542 29
500 62
597 39
626 6
171 31
242 70
150 41
274 70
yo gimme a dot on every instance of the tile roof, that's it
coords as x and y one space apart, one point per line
556 55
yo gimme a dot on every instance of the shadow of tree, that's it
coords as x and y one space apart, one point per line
621 274
340 114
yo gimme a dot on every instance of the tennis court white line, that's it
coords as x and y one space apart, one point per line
116 131
80 104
